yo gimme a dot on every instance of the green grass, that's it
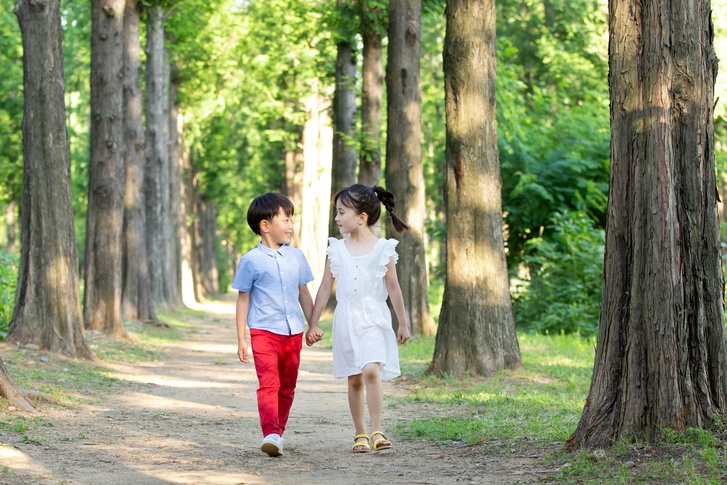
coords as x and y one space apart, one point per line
535 409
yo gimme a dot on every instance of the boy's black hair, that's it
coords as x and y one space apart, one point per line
265 207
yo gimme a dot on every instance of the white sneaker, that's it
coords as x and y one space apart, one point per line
272 445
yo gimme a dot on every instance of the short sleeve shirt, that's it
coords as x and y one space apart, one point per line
273 279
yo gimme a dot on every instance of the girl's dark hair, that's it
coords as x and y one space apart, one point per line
265 207
368 200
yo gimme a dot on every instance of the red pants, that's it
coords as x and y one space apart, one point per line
277 358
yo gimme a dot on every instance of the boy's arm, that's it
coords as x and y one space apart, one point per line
243 302
314 333
306 301
397 301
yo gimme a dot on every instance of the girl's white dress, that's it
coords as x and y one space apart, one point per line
362 331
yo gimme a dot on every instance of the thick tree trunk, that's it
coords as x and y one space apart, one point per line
476 334
294 172
173 278
660 356
186 252
317 141
9 391
156 183
47 308
404 172
344 122
136 302
105 216
369 169
207 251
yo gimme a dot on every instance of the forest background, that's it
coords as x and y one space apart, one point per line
251 86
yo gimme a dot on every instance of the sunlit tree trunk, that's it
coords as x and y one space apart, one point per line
476 334
317 141
136 302
372 27
404 172
105 216
156 183
10 391
294 172
173 262
660 356
187 273
47 310
344 119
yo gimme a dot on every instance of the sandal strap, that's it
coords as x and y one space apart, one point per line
371 436
359 436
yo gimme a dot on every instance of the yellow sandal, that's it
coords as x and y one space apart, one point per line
361 446
382 443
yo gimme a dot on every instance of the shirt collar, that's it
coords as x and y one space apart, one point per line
271 252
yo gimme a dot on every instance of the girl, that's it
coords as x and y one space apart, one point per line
364 343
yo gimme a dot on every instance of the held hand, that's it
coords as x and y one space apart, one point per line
242 352
403 334
313 335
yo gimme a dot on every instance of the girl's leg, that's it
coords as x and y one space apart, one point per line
356 403
375 399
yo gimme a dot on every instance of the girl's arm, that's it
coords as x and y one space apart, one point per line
397 301
314 333
243 301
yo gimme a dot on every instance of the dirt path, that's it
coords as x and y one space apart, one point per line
191 418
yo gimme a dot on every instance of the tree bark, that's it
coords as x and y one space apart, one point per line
173 278
156 183
476 334
47 308
660 356
189 297
10 391
136 301
207 251
369 169
344 121
404 172
104 221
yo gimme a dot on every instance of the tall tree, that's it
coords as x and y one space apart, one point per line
156 183
105 216
137 303
660 358
476 332
344 111
47 309
404 173
373 27
173 275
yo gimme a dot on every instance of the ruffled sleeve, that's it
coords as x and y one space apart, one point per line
333 257
387 252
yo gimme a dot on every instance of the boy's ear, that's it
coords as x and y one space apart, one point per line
264 226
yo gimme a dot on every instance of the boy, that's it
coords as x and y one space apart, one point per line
271 280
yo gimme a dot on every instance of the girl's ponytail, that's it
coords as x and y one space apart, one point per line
388 200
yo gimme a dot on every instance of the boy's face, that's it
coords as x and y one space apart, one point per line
279 230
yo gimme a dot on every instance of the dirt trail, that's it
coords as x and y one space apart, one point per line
191 418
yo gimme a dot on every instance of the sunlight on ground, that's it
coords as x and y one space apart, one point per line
151 401
178 383
216 307
17 460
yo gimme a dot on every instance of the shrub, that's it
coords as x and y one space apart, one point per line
8 280
562 291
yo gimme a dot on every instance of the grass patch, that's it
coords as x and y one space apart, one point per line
533 411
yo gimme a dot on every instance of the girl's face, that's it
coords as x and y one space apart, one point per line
347 219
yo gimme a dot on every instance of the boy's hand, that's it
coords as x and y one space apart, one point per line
313 335
242 352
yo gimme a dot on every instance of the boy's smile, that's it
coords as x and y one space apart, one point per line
277 231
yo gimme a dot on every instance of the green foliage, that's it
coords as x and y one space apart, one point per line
11 106
563 290
8 281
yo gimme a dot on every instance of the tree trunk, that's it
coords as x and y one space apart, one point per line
136 302
9 391
317 141
186 252
344 121
206 238
369 169
294 173
11 230
156 183
47 308
404 172
173 277
476 334
660 356
105 216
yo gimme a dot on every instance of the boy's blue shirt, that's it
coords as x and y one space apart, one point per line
273 279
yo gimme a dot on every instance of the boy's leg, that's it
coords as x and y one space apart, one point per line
288 364
266 349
